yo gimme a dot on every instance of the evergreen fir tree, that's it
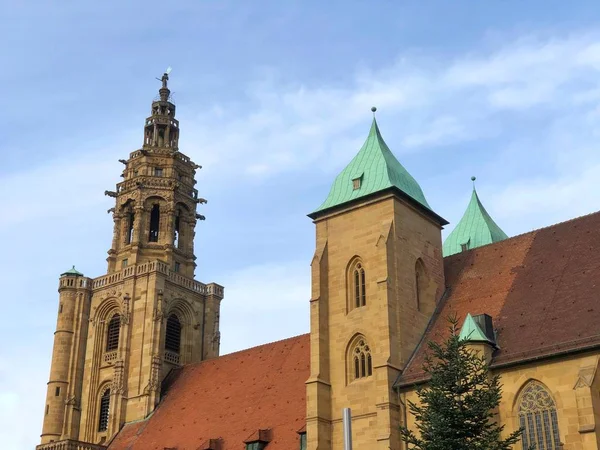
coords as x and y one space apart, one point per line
458 405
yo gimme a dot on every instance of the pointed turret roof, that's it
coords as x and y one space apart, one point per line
471 331
476 228
72 271
373 169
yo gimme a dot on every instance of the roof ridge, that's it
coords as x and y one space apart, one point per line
518 236
238 352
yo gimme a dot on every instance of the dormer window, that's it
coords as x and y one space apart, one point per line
303 441
356 183
256 445
465 245
258 440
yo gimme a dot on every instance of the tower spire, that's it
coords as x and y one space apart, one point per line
161 131
475 228
164 91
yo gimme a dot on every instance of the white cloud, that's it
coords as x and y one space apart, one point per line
292 128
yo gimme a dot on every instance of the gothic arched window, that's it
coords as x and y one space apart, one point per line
361 362
112 333
419 282
177 229
173 335
538 418
357 286
154 224
104 410
130 223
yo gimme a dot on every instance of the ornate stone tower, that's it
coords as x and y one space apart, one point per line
120 334
377 274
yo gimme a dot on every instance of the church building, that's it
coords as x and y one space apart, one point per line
136 365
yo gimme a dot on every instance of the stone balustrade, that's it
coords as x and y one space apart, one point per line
70 444
149 267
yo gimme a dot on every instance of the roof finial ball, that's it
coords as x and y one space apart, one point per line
373 109
473 178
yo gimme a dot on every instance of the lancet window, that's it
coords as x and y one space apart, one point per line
173 334
104 410
419 282
357 286
112 333
154 223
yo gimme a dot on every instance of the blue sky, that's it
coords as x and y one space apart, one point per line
274 99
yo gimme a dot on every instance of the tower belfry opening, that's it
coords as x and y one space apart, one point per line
97 380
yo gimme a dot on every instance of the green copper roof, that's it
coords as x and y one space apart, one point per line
72 271
471 331
476 228
376 168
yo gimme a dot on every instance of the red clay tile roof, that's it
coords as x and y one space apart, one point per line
542 290
231 398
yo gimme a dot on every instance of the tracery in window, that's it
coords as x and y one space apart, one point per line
104 410
112 333
360 356
538 417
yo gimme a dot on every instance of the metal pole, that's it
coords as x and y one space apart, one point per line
347 422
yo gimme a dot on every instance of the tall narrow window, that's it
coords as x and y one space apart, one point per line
362 362
359 287
303 441
420 280
173 336
112 333
176 238
154 223
538 418
104 410
130 221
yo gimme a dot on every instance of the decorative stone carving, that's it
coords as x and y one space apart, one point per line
161 307
125 312
71 400
154 380
117 385
216 340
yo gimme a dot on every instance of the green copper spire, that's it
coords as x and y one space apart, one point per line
476 228
472 332
373 169
72 271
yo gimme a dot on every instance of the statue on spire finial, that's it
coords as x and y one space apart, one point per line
165 77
